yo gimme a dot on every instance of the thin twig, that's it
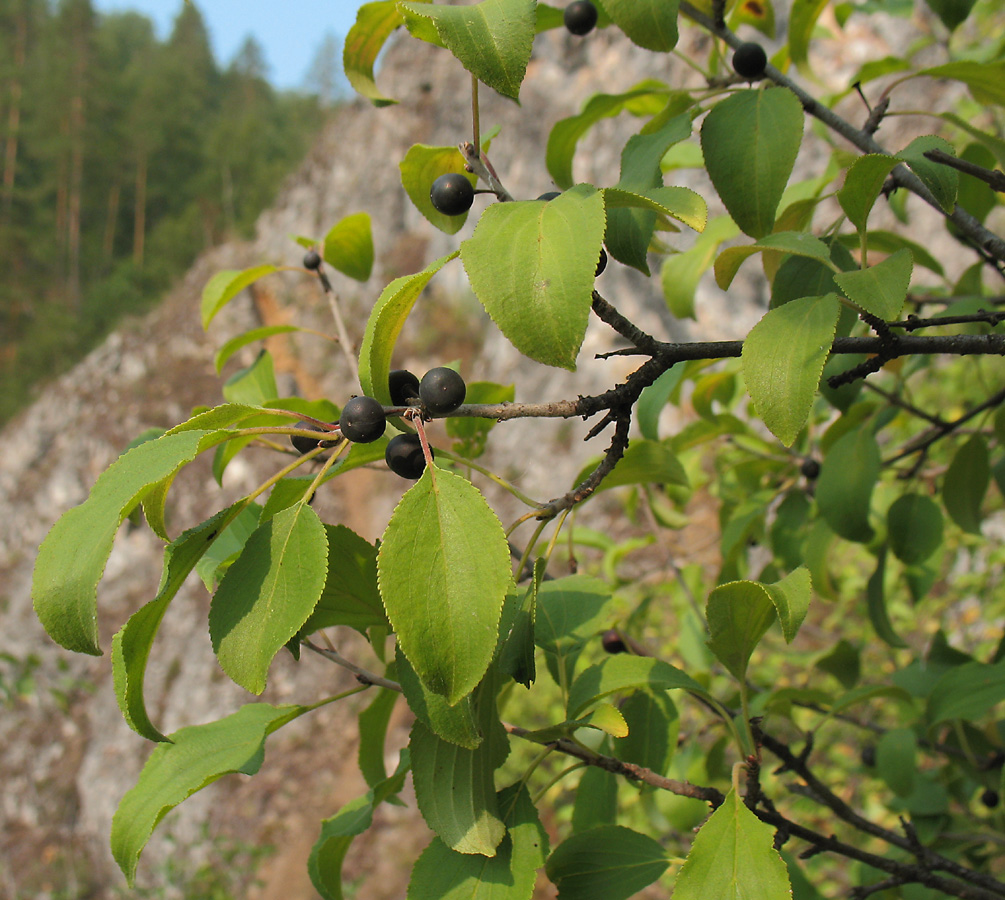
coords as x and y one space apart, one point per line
994 178
362 675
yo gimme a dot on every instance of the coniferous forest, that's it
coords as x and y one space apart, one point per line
122 157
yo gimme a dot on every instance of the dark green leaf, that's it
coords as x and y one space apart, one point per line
965 484
609 862
876 599
914 528
847 477
968 692
622 673
942 181
651 24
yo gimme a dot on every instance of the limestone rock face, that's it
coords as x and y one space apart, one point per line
66 755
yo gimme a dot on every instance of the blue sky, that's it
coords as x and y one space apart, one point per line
289 30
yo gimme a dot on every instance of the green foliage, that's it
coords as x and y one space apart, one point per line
124 157
755 635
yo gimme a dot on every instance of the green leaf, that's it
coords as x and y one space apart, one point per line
791 597
651 24
384 325
131 645
248 337
654 398
678 203
443 874
570 611
195 757
268 594
967 692
350 596
516 652
348 247
373 26
844 489
421 166
653 723
596 800
609 862
914 528
532 265
965 484
942 181
681 273
862 185
952 12
625 672
797 243
455 724
986 81
783 358
565 134
373 722
644 462
324 864
888 242
881 289
750 141
802 20
733 856
875 598
254 385
738 613
454 786
73 555
492 39
227 545
443 570
630 231
226 285
896 760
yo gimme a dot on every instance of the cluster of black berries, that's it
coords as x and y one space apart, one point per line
363 419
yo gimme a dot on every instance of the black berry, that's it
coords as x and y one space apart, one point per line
362 420
550 195
404 456
441 390
868 755
312 260
601 263
990 798
305 444
749 60
580 17
613 642
404 386
810 469
452 194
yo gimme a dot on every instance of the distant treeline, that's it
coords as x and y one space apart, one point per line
121 158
